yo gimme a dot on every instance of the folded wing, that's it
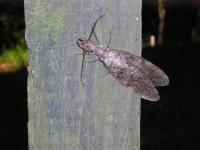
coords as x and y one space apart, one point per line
154 73
151 71
138 83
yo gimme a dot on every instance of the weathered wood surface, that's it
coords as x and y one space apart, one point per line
63 114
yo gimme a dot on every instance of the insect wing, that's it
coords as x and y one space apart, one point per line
151 71
154 73
144 87
138 82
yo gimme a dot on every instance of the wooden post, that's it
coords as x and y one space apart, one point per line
63 114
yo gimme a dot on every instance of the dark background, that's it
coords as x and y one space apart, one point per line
170 124
13 86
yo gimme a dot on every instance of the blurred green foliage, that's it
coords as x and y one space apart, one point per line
13 50
14 58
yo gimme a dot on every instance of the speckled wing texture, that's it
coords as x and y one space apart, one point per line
154 73
136 73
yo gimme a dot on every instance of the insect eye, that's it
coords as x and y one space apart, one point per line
80 40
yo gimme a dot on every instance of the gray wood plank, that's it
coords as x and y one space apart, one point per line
63 114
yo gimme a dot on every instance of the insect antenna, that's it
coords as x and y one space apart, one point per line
92 32
96 37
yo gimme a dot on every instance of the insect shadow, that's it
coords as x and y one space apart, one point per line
132 71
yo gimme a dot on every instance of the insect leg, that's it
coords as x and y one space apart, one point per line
92 61
85 53
82 65
105 74
108 44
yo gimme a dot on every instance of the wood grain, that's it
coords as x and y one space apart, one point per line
63 114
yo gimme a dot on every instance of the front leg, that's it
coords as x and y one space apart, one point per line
108 44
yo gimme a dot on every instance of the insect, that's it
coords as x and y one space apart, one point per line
134 72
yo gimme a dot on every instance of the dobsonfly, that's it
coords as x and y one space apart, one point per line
134 72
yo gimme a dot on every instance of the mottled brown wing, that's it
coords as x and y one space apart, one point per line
154 73
136 81
151 71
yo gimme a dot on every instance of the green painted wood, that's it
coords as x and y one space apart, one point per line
63 114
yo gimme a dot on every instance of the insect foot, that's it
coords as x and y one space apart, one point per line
134 72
